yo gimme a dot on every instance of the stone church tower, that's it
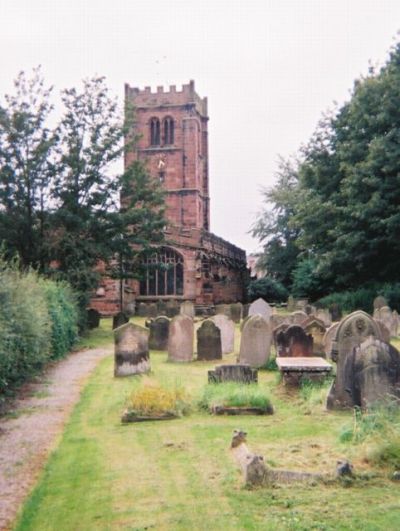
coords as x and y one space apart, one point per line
196 264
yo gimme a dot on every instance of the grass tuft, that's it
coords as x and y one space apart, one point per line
231 394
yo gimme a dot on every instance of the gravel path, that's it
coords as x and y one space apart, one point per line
27 439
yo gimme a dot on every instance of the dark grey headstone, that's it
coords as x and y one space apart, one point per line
209 341
119 319
159 332
142 310
93 318
236 312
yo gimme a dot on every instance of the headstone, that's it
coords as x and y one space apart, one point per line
385 315
223 309
233 373
280 328
236 312
130 308
245 310
379 302
350 333
180 340
301 304
131 350
291 304
298 317
277 319
159 332
336 312
316 328
294 342
119 319
260 307
376 378
328 339
142 309
324 316
161 307
209 341
227 329
172 308
308 309
385 332
255 343
93 318
152 309
187 308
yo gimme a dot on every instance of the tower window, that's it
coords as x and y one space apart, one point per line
155 132
168 131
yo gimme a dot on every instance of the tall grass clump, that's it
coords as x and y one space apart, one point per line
377 430
232 394
314 393
37 323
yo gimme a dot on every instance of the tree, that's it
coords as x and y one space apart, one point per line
26 169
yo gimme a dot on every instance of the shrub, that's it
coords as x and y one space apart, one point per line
152 398
63 311
231 394
268 289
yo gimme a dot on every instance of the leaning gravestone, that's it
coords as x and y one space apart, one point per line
209 342
260 307
119 319
131 350
236 312
187 308
316 328
227 329
180 340
294 343
350 333
233 373
376 376
93 318
159 332
255 343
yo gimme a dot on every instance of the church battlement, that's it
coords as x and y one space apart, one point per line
161 97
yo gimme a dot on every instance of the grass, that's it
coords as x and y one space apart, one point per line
231 394
179 475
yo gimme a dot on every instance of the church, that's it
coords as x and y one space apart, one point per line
195 264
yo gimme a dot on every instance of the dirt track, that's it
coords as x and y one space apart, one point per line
39 414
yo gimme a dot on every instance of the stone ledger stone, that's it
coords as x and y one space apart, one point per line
209 341
159 332
131 350
180 340
351 332
255 343
227 329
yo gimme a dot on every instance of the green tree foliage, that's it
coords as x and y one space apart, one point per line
268 289
26 169
344 205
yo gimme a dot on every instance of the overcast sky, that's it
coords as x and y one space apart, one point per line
269 68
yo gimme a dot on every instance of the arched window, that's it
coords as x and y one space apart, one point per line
163 273
168 124
155 132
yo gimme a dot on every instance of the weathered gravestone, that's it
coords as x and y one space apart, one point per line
298 317
255 343
227 329
180 340
131 350
209 341
130 308
350 333
316 328
260 307
93 318
172 308
294 342
236 312
142 310
119 319
379 302
233 373
187 308
152 310
328 339
324 316
159 332
275 332
385 332
385 315
376 373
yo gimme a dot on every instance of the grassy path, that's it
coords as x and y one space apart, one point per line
179 475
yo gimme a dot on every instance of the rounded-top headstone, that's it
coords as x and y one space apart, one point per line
209 341
255 342
131 350
260 307
180 340
227 329
159 332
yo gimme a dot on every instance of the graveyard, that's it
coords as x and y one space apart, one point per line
182 473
